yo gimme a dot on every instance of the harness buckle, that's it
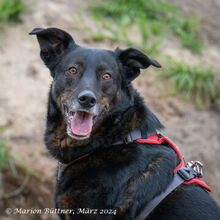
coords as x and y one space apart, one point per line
125 140
187 173
191 170
159 134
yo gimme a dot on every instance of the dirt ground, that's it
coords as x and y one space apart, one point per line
24 84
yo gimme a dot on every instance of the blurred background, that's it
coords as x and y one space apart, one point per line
184 36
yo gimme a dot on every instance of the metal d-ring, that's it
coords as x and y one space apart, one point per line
197 166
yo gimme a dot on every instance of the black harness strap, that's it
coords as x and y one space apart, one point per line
132 136
177 180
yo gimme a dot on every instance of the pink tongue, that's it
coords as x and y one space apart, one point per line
81 123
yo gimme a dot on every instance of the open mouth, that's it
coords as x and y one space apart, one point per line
80 123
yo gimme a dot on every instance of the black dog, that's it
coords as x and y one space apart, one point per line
92 109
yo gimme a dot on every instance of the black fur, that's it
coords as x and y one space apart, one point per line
121 177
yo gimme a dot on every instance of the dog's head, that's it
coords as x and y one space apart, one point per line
87 82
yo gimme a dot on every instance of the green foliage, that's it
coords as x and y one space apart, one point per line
8 161
187 30
5 158
11 10
153 20
193 83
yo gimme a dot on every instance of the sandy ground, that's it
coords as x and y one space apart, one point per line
24 83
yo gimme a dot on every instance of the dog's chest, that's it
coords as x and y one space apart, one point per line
94 182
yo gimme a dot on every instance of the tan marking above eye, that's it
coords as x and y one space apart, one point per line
72 70
106 76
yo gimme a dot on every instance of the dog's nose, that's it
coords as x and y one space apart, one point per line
87 99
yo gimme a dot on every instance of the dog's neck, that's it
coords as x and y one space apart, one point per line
113 128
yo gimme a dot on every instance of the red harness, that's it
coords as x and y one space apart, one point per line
156 139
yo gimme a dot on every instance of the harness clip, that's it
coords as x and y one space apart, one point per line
192 169
187 173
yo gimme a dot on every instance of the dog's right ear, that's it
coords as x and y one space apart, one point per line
53 42
133 60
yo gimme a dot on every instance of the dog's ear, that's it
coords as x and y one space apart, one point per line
53 42
132 61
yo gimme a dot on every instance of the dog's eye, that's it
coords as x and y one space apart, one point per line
106 76
72 70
